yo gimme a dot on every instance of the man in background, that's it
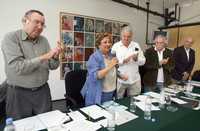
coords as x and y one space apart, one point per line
28 59
184 57
130 57
158 66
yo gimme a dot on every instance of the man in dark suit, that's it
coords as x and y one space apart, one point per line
184 58
158 66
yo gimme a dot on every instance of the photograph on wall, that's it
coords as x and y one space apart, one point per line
78 65
78 39
89 25
67 38
67 22
78 23
89 40
65 68
78 54
116 28
99 26
68 54
78 34
88 52
108 27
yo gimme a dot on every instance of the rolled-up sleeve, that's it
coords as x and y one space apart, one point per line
14 57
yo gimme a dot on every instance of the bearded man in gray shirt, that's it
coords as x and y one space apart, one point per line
28 59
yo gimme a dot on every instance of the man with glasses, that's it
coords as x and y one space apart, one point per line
184 57
28 59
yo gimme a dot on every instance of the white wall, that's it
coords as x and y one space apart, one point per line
13 10
190 12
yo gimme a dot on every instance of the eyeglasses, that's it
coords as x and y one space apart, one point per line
37 22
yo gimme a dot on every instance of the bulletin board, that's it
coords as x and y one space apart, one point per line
78 34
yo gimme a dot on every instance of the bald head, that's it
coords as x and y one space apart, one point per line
188 41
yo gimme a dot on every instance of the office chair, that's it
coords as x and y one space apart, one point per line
3 91
74 81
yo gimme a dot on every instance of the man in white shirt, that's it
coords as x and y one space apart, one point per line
130 57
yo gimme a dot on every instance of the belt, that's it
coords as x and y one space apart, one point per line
29 89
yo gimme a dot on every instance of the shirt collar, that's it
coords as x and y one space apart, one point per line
187 49
159 51
25 37
130 45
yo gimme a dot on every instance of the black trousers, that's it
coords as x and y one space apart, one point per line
22 102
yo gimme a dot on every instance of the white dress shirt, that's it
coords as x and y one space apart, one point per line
160 77
131 69
188 53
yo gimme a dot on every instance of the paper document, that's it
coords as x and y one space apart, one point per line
195 94
76 115
83 125
195 83
29 124
171 90
124 117
113 105
142 98
179 101
53 118
95 111
153 94
141 105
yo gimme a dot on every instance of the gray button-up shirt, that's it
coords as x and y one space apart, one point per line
22 64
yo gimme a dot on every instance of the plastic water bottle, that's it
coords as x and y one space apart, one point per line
147 110
9 125
111 120
162 99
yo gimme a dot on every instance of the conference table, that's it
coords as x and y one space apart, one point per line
184 119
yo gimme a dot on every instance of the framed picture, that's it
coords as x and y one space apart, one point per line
89 25
78 23
67 22
78 35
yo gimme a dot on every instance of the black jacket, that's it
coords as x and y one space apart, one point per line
181 62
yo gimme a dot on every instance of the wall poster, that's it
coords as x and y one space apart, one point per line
78 34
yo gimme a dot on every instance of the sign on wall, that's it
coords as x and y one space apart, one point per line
78 34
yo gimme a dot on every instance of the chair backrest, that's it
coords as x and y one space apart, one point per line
74 81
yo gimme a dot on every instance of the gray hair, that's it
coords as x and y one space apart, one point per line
29 13
160 36
126 29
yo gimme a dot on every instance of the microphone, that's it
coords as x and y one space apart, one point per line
113 54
